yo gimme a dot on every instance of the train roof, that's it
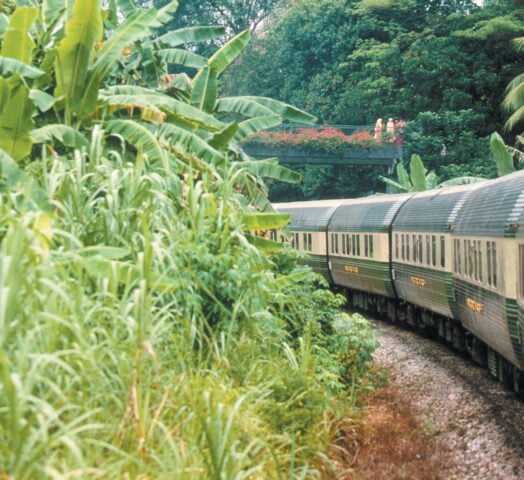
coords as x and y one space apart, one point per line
433 210
309 216
367 214
494 209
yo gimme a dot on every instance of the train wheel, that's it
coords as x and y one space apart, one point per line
518 382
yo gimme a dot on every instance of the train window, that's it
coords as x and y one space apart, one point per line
358 245
479 259
488 260
354 244
434 250
344 244
396 246
407 248
521 270
459 258
297 241
366 245
304 241
471 259
442 251
403 248
415 248
420 249
494 259
428 250
348 243
475 260
371 246
491 257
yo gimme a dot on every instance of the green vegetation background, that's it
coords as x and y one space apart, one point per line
443 66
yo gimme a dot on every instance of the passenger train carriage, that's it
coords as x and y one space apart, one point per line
448 259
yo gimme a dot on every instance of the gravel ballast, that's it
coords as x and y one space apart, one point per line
478 425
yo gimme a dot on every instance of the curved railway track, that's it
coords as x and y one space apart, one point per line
478 424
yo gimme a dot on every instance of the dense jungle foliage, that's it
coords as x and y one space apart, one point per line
145 332
443 66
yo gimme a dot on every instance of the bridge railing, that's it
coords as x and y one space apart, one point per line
345 129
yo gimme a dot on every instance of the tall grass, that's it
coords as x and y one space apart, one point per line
142 335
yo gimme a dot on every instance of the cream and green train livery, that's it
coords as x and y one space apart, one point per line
450 260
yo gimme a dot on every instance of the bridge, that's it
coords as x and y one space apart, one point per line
326 145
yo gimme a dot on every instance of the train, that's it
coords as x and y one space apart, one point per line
448 260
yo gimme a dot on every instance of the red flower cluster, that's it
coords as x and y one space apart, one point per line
329 139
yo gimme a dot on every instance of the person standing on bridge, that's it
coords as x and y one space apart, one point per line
378 130
390 130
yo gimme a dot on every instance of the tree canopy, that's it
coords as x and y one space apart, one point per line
441 65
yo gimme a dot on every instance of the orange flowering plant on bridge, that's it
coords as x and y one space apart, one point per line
330 139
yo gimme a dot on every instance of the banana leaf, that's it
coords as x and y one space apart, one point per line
205 87
265 220
83 30
18 43
9 66
502 157
182 36
417 173
66 135
140 137
221 59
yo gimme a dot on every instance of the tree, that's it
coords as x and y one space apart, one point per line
442 66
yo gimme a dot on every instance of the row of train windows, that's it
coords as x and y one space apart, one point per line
307 241
350 244
420 249
468 260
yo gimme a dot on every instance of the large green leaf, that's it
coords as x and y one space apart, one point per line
403 178
21 182
264 244
135 27
186 144
182 36
417 173
502 157
177 56
9 66
168 104
220 140
42 100
270 168
52 10
82 32
282 109
221 59
205 87
16 119
66 135
140 137
265 221
257 124
18 43
245 106
165 14
396 185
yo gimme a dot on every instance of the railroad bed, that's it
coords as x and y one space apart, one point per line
479 425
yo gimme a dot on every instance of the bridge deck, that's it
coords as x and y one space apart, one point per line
358 146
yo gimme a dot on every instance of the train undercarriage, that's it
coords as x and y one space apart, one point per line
441 328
